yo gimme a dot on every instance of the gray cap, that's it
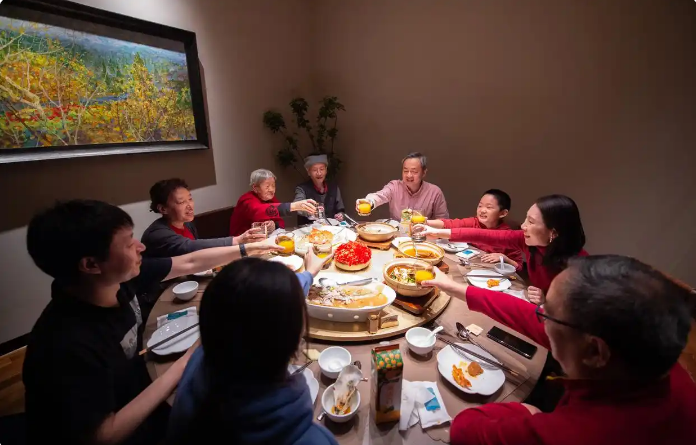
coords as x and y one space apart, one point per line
316 159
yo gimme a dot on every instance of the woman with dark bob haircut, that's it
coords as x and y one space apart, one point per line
237 386
551 234
175 233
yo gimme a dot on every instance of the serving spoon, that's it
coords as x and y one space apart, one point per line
328 282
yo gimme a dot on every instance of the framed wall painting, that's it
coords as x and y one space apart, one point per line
77 81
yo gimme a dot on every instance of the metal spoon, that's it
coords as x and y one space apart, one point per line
464 335
328 282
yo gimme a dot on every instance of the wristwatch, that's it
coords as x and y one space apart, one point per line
242 250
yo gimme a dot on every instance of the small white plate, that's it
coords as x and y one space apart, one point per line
312 382
391 222
485 384
293 262
458 247
205 273
341 234
400 239
180 343
482 282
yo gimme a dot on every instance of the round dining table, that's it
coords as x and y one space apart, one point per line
362 429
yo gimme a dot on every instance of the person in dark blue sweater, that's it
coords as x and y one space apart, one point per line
236 386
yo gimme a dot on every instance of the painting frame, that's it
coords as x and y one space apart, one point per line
123 24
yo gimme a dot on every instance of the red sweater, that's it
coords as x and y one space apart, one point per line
514 254
185 232
251 209
539 275
590 412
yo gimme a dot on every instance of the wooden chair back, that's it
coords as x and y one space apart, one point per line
214 224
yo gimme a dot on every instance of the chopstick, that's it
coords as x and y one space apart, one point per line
302 368
346 407
491 277
350 220
479 356
160 343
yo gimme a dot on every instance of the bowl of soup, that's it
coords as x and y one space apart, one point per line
424 251
400 275
376 232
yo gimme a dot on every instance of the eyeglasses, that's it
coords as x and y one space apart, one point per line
542 316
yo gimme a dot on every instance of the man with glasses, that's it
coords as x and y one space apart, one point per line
617 328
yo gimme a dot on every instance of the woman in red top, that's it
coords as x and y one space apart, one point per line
260 204
617 327
492 209
551 233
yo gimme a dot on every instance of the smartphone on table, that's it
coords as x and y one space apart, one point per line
512 342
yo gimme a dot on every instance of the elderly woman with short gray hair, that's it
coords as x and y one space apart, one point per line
260 204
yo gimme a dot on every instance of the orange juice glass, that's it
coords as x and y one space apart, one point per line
322 251
364 207
286 240
424 274
418 217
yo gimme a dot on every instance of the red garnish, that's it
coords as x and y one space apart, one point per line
352 254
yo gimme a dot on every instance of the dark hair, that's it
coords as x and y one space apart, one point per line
252 286
159 193
416 155
60 236
632 307
560 213
504 201
261 292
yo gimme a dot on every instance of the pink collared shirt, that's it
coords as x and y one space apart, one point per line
429 199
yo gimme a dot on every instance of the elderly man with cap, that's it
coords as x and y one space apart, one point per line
317 188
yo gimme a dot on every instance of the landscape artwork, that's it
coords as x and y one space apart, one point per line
62 88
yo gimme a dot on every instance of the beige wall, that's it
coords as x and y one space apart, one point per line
591 99
594 99
254 54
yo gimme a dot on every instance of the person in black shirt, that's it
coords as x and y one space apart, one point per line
85 382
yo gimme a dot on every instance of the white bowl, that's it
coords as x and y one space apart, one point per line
415 337
332 360
507 270
327 402
186 290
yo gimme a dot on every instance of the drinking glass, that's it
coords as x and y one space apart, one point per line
364 207
417 217
322 250
423 273
263 225
287 241
320 212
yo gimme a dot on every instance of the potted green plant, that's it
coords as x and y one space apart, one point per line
322 134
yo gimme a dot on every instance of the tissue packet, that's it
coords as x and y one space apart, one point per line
387 377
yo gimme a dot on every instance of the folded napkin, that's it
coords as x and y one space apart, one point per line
468 253
421 401
164 319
